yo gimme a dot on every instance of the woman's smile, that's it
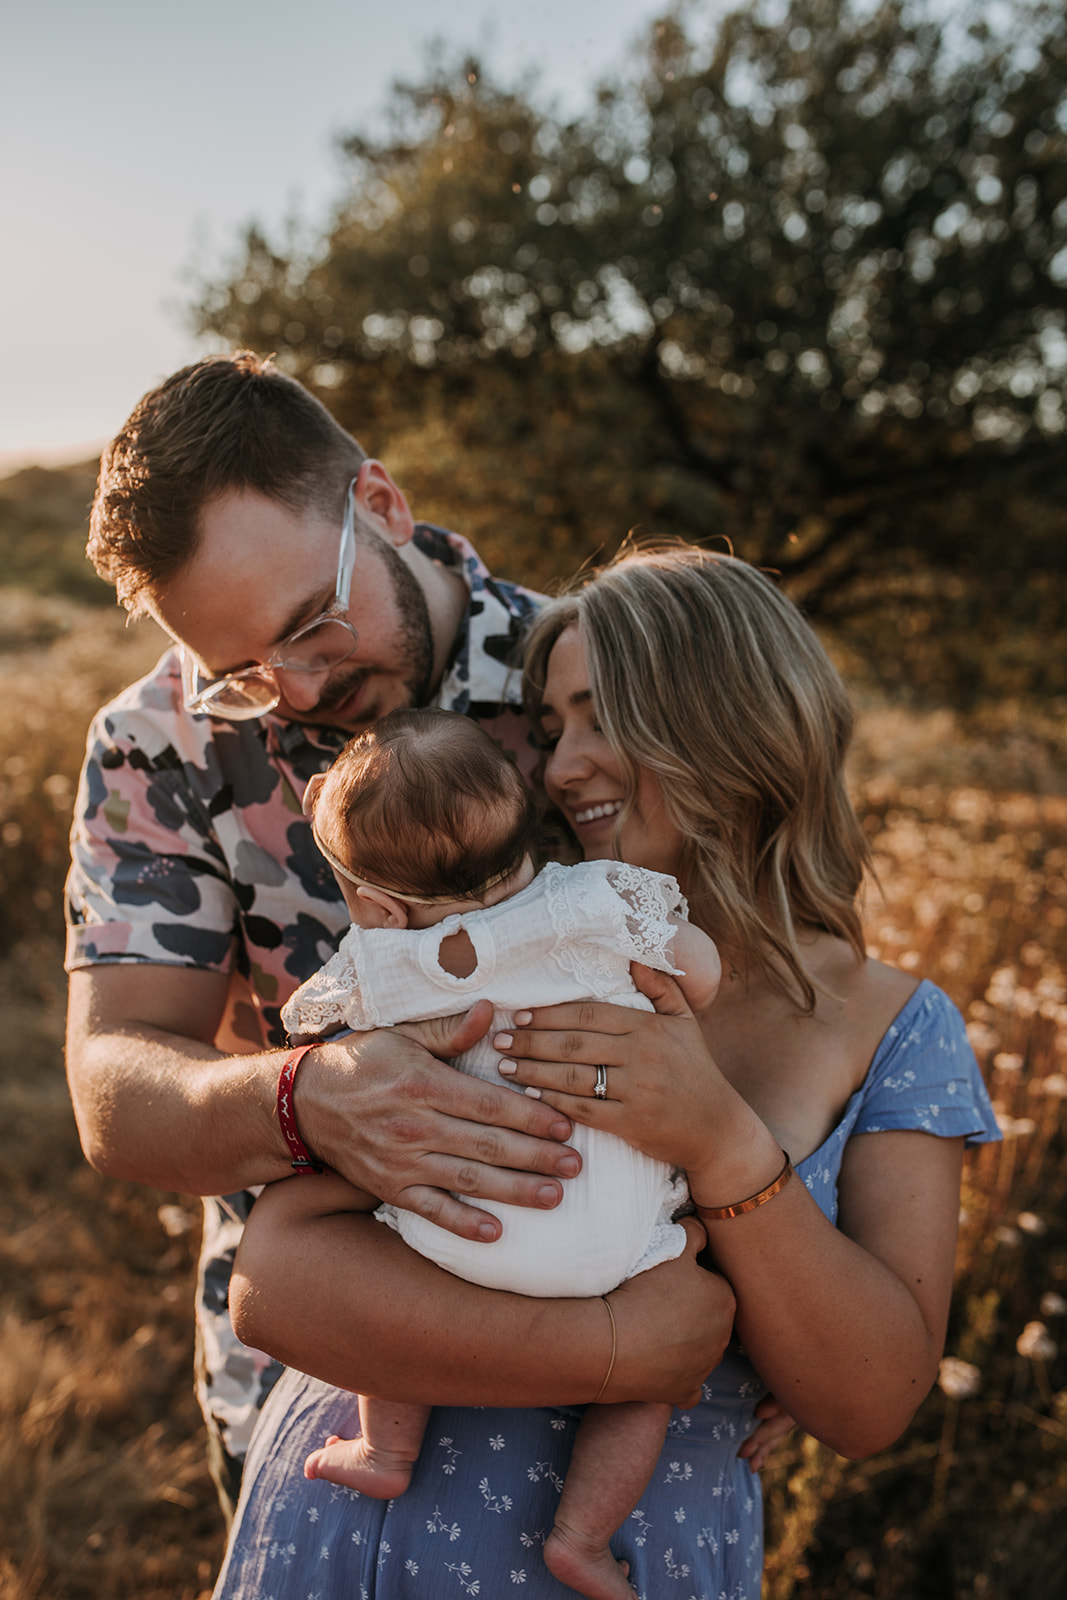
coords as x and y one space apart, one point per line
609 808
585 780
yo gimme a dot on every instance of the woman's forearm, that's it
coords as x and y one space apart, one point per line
846 1326
338 1295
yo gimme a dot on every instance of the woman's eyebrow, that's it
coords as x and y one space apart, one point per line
581 697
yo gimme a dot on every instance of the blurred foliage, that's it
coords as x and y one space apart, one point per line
59 661
43 517
802 286
970 1503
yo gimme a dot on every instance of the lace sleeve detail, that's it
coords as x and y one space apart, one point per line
622 914
650 907
330 1000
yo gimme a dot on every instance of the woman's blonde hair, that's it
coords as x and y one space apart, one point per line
703 673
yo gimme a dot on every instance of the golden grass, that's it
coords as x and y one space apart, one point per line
103 1489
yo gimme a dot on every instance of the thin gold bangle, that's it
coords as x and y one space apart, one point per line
614 1347
722 1213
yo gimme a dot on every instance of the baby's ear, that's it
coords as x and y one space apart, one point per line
381 909
314 785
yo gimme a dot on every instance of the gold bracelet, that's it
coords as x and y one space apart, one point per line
614 1347
722 1213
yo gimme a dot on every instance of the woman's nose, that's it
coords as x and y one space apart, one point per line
567 764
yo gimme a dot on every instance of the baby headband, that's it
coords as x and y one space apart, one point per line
409 899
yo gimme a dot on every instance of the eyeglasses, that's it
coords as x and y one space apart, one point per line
317 646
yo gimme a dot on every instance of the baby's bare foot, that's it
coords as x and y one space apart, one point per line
585 1565
381 1474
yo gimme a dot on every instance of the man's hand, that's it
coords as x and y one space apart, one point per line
157 1103
384 1111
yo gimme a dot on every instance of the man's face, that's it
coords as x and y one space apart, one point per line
262 570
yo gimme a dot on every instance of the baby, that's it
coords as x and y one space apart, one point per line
430 830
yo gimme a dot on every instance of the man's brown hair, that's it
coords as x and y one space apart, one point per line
426 803
227 422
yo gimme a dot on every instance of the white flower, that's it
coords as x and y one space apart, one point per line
959 1379
518 1577
176 1222
497 1443
1015 1127
1034 1341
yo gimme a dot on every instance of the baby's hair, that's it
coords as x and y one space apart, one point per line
425 803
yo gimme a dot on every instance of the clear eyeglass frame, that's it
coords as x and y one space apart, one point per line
316 646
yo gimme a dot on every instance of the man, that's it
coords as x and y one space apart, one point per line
305 603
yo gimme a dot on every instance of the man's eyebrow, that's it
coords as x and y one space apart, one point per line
581 697
305 611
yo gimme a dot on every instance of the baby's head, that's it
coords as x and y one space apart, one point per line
421 814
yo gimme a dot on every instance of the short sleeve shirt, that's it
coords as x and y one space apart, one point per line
189 848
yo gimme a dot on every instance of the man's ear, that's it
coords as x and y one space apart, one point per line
314 785
383 910
382 503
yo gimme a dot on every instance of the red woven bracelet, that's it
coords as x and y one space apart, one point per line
302 1159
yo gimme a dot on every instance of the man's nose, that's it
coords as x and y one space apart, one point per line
303 690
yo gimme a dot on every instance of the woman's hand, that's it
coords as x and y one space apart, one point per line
673 1324
663 1092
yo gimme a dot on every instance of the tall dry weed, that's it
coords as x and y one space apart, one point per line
972 1502
103 1486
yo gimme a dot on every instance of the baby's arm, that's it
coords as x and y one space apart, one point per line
701 969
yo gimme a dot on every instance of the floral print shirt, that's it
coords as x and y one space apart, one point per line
189 848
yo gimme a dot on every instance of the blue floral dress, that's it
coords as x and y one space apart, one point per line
483 1495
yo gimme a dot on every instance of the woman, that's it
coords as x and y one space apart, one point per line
694 726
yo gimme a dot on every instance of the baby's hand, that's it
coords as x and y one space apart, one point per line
701 968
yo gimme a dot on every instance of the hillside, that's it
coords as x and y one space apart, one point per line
43 516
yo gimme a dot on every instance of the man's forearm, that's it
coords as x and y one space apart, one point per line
158 1108
155 1101
158 1103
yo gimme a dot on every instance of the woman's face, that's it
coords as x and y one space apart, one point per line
583 778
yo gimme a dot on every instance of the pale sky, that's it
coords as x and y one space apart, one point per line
139 137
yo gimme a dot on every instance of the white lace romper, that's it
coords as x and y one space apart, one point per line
570 935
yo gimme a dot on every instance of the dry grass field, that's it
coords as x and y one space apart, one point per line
103 1490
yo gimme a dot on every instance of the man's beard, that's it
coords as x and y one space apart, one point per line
414 637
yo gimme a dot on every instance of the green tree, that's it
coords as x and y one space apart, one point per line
803 287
